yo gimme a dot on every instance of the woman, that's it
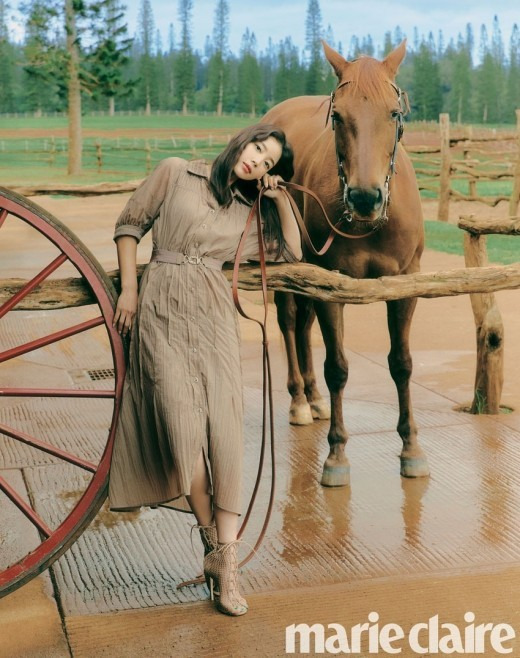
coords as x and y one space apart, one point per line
179 438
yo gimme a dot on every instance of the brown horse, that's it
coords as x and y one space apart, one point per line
355 168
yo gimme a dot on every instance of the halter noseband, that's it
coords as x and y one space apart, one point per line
404 108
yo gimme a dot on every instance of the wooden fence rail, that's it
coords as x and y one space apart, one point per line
437 173
477 279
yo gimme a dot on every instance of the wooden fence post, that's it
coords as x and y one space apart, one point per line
444 177
99 156
489 375
472 182
52 152
515 195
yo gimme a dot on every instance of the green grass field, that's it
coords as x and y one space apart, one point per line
34 151
448 238
160 122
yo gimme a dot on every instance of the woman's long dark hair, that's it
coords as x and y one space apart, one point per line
222 170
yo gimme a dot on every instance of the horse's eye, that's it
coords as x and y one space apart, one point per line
395 114
336 117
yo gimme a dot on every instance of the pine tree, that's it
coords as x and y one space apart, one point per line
426 97
74 11
470 41
313 35
490 76
460 95
513 75
108 56
185 61
289 79
388 44
354 48
7 59
249 77
367 46
218 69
147 70
169 69
267 63
44 70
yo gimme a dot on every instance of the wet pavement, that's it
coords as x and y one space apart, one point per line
407 549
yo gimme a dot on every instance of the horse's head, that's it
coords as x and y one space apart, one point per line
367 113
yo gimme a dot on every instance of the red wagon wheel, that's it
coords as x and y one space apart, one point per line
55 532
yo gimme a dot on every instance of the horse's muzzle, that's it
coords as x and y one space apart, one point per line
364 201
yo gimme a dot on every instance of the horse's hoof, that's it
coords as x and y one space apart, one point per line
336 476
300 415
414 467
320 409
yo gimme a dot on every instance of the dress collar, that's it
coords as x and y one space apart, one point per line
202 169
199 168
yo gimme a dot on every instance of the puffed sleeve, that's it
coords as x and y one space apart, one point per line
144 206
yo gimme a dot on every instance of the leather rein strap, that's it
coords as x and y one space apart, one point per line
334 230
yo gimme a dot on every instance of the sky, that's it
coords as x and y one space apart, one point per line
280 18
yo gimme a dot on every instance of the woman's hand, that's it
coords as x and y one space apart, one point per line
125 311
272 186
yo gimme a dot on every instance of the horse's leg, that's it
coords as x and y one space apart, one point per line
305 317
300 411
400 312
336 470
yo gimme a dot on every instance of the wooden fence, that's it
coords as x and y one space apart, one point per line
467 158
478 279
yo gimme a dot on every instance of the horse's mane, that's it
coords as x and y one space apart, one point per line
367 77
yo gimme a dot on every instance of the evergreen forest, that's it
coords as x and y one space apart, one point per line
475 77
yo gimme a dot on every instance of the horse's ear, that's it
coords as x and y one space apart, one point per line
393 60
337 61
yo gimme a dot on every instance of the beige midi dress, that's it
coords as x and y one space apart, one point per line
183 388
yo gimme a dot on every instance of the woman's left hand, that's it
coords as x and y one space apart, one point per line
272 186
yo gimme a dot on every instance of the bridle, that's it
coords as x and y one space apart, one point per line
398 115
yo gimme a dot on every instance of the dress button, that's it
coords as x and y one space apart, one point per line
195 379
192 318
200 410
196 244
203 225
194 349
212 211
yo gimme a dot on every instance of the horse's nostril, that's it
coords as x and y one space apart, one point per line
364 200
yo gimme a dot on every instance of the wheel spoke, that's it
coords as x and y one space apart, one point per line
8 305
24 508
3 215
51 338
56 393
47 447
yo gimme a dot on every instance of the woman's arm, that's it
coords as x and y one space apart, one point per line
290 229
289 225
127 302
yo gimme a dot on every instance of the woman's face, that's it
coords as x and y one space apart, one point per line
257 159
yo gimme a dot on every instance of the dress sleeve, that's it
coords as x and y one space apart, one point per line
143 207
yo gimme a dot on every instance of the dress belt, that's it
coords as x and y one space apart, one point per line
177 258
